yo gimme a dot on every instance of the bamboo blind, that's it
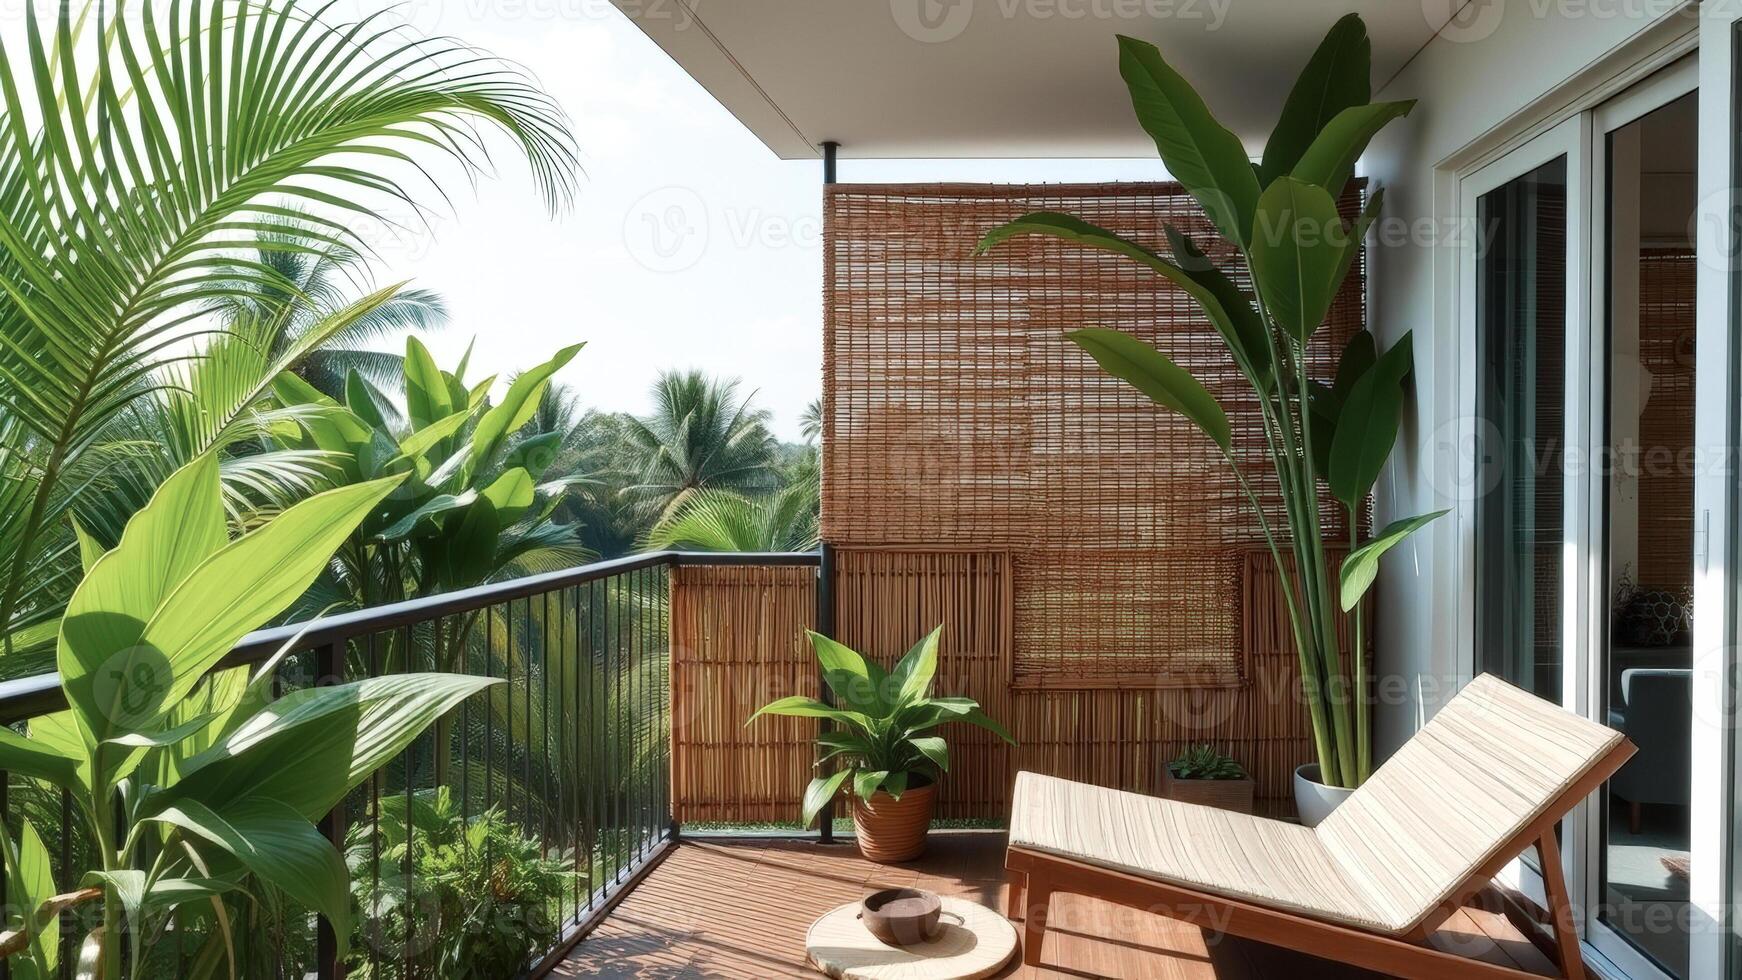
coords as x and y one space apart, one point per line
1666 421
957 414
1096 571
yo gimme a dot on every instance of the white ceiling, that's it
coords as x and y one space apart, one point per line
999 78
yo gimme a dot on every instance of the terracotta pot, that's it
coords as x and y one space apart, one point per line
1224 794
891 830
1313 800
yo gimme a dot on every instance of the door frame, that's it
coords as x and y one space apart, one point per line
1580 134
1569 139
1650 94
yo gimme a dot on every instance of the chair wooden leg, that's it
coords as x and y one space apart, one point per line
1034 926
1635 817
1560 908
1014 898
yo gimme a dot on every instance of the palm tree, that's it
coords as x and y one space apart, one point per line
810 423
701 436
719 520
297 292
170 132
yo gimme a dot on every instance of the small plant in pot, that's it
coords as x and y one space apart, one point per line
1205 775
886 746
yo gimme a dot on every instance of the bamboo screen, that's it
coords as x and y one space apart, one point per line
736 644
958 416
1100 580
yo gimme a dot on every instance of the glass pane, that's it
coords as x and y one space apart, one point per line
1521 293
1648 667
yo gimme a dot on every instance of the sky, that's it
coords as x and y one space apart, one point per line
690 244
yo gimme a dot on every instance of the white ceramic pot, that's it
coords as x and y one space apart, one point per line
1314 800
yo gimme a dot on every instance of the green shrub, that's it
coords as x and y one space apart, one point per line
1205 762
482 896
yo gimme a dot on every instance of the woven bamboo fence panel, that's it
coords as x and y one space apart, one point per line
957 414
737 643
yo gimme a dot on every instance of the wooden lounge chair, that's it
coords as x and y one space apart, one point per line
1489 776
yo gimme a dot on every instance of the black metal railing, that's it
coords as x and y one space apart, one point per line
569 759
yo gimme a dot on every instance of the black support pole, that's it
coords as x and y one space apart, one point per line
826 565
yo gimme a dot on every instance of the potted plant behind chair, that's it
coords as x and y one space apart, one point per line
1208 777
886 743
1281 217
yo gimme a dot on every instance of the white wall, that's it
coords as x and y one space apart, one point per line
1497 64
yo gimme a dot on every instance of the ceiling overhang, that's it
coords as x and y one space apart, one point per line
916 79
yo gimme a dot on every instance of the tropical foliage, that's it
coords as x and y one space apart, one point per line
481 886
138 144
1281 216
888 721
701 435
474 503
196 786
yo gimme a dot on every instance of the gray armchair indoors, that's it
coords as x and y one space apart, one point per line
1655 709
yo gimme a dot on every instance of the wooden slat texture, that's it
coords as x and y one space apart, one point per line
737 643
740 910
958 414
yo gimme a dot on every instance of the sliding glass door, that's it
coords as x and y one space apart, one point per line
1600 365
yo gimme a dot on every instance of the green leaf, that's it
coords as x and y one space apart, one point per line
98 655
1164 382
128 887
858 683
518 406
30 757
30 885
820 791
1231 312
912 677
279 846
534 454
981 719
1330 160
167 736
895 785
1228 309
511 494
1198 151
1362 566
361 401
90 549
1358 357
1339 75
310 747
799 706
1298 250
416 445
866 783
933 748
127 655
426 390
1368 425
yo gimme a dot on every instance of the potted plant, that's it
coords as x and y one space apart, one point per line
885 743
1208 777
1281 219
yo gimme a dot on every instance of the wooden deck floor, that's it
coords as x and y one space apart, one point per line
741 910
